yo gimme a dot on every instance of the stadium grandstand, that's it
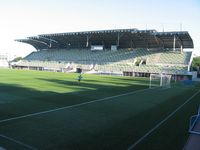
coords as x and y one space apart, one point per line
128 52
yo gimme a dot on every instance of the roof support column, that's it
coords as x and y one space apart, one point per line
179 41
88 40
147 44
181 48
157 41
174 43
50 42
132 44
118 38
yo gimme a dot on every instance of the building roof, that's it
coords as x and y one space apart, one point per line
123 38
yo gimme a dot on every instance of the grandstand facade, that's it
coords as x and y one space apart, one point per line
129 52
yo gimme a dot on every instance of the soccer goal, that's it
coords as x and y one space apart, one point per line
194 123
160 80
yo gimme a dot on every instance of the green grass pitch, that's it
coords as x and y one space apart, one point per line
108 124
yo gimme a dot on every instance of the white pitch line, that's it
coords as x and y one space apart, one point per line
160 123
71 106
17 142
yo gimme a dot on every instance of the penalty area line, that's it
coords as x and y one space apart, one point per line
71 106
161 122
17 142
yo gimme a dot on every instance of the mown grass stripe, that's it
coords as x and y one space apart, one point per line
17 142
71 106
161 122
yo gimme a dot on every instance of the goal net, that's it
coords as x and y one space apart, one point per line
160 80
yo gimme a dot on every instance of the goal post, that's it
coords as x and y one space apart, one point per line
160 80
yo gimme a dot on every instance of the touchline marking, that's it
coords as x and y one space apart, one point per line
71 106
18 142
160 123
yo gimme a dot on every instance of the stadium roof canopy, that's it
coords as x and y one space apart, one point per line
123 38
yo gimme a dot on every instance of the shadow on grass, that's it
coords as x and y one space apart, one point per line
18 100
92 83
118 134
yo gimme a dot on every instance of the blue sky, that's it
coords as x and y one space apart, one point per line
22 18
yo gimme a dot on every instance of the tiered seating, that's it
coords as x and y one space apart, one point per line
47 64
175 58
107 60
